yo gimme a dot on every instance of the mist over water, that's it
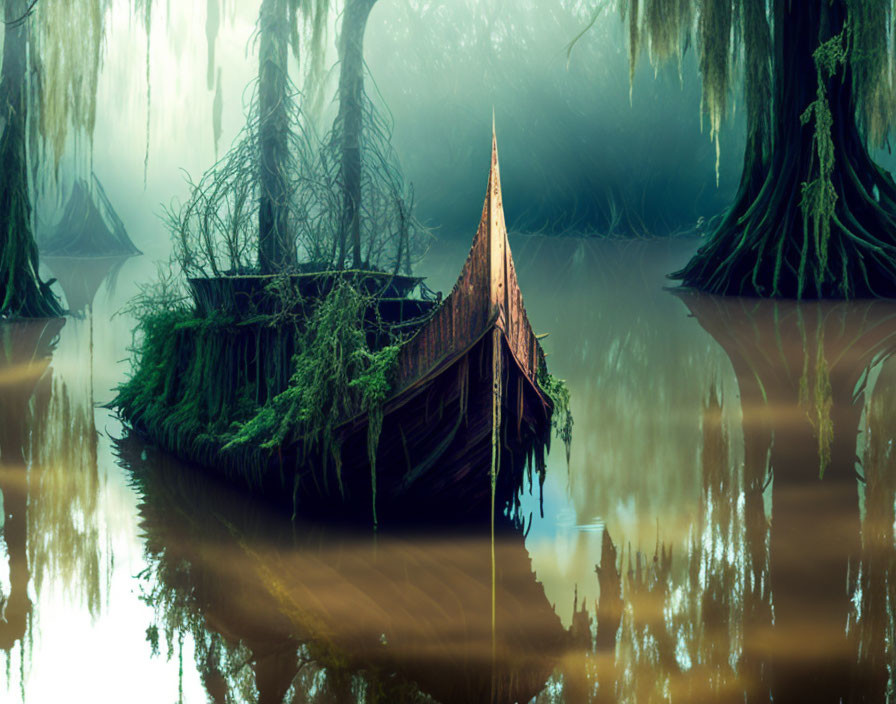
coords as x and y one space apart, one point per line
580 152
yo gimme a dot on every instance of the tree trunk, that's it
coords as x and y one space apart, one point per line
350 119
769 244
22 293
276 249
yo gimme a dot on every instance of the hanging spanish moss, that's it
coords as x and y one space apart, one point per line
66 61
212 24
240 391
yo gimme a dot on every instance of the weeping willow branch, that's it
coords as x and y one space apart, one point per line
215 231
814 215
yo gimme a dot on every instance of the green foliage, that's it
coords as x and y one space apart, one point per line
335 374
561 418
374 385
819 196
192 388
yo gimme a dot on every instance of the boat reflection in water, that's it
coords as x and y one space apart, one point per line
306 612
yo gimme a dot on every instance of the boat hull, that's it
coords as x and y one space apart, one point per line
434 452
466 426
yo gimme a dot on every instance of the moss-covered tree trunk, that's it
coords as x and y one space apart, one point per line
22 293
814 217
276 249
350 122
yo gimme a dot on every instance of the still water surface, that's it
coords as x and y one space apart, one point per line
724 530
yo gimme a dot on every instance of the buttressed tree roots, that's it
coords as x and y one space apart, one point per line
814 216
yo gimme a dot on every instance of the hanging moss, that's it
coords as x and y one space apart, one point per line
66 60
335 374
243 390
666 25
561 418
819 196
870 45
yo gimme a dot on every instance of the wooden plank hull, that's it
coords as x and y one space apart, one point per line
434 456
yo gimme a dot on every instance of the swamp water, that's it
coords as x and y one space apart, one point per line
724 529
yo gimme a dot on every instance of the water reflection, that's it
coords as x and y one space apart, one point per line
803 372
49 479
26 349
80 278
308 613
65 543
725 530
774 596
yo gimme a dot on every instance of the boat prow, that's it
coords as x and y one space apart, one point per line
486 298
467 386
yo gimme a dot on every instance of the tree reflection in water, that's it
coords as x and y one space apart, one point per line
26 348
49 476
735 469
789 602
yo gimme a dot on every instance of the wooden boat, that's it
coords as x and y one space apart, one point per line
466 398
467 381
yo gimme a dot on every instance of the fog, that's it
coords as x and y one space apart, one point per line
581 152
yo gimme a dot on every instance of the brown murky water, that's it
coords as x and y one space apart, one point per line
724 530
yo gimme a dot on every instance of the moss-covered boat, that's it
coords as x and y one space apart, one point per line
463 392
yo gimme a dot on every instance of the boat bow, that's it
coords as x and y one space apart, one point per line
486 296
